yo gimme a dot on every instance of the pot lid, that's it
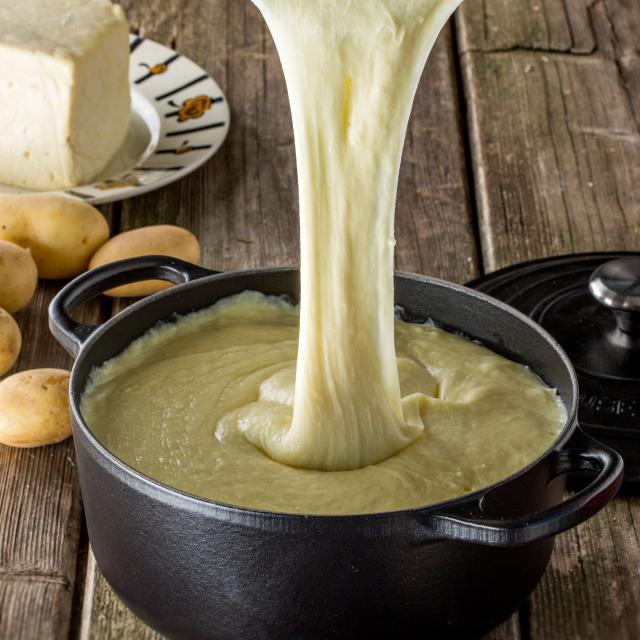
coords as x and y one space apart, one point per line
590 303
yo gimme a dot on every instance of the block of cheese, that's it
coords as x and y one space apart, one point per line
64 90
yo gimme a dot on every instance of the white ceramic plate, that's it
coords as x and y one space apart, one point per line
179 119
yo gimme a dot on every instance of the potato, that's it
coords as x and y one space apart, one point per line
62 232
34 408
18 277
163 240
10 342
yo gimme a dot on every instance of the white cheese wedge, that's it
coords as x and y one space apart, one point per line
64 90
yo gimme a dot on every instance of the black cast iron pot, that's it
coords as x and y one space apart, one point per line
193 568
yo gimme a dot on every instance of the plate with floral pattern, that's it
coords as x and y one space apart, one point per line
179 119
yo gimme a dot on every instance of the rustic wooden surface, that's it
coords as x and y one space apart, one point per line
524 142
553 90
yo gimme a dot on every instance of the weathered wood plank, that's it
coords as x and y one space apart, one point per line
537 25
553 177
39 505
555 149
589 589
31 608
39 510
618 25
434 218
556 157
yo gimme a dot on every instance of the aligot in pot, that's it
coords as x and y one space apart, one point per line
193 568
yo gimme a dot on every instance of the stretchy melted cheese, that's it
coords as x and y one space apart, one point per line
352 69
171 405
209 406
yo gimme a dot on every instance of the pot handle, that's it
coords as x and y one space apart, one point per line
71 334
582 454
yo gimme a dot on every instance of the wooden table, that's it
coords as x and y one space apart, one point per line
524 143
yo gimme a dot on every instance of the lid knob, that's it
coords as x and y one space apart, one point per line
616 285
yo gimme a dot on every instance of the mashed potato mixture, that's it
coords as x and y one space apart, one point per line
178 403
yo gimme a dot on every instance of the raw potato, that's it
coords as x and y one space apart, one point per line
18 276
159 240
10 342
34 408
62 232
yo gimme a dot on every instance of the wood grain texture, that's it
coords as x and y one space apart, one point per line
553 121
554 135
434 217
562 26
618 23
589 589
39 505
32 609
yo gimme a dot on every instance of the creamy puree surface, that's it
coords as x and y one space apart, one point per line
213 411
171 403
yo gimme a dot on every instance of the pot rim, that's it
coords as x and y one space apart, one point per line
246 515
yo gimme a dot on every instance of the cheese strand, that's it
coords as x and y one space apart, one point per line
352 69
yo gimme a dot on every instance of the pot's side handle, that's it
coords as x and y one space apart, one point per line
71 334
581 454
